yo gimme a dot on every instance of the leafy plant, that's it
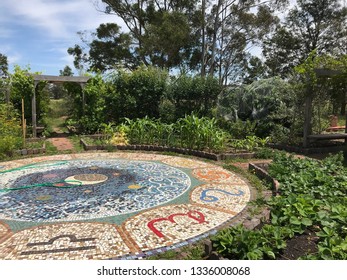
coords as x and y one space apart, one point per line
242 244
200 133
250 143
190 132
313 197
194 94
10 131
119 137
295 211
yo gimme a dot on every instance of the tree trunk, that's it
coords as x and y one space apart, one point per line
343 105
214 40
307 121
203 47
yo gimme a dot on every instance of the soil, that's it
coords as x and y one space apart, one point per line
300 246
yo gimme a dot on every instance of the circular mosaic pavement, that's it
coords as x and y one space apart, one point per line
111 205
88 189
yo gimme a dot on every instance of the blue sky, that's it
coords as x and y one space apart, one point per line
37 33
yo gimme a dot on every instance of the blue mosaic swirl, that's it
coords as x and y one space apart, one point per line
34 199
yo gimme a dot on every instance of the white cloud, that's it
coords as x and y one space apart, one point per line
5 33
59 18
12 55
39 32
14 58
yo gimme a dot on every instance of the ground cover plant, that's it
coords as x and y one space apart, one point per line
311 202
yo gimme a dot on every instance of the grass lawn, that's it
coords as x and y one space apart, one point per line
341 120
58 112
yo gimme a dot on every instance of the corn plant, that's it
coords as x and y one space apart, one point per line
107 130
190 132
200 133
136 130
250 143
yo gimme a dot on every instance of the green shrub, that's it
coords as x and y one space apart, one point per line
22 86
136 94
167 111
10 131
194 94
239 129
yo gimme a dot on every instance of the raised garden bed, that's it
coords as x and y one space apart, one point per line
296 247
203 154
33 146
260 170
322 149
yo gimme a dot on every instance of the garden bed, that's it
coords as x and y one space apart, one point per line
33 146
296 247
299 245
324 148
261 171
97 144
307 220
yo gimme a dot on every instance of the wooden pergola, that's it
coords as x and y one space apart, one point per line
81 80
308 114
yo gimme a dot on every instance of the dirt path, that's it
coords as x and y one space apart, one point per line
62 143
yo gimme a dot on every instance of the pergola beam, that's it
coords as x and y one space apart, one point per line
61 79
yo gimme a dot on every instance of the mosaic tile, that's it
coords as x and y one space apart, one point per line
62 192
217 175
229 198
172 224
4 231
186 162
65 241
123 155
140 156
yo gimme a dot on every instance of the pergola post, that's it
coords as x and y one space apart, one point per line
307 120
346 122
33 110
83 97
7 93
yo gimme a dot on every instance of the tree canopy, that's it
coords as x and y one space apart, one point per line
310 25
3 65
203 37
